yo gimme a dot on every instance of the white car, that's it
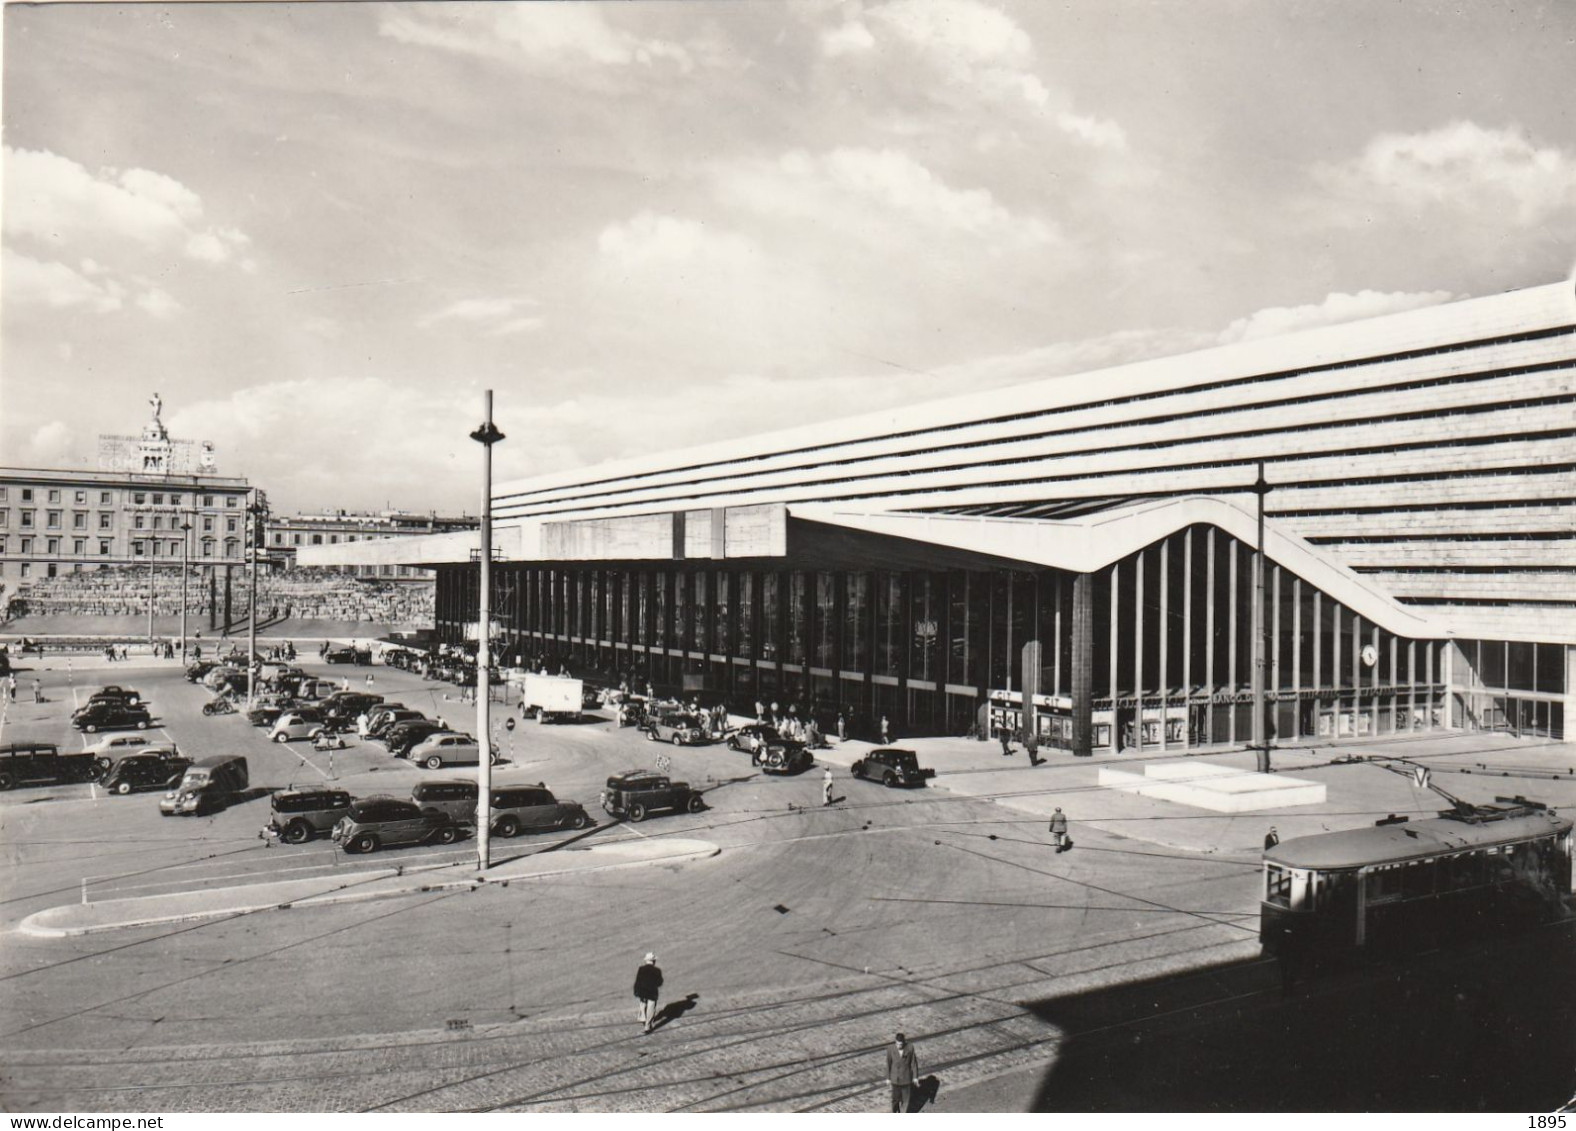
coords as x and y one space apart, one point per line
114 745
296 724
447 749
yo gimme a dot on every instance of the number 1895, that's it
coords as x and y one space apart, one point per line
1554 1122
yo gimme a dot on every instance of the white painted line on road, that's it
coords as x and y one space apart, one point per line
265 877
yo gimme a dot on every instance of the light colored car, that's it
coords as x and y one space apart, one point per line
113 745
522 808
447 749
296 724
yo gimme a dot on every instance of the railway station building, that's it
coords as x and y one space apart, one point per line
1089 546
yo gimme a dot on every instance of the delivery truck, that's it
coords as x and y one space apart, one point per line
551 698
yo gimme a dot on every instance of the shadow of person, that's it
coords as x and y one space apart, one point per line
674 1010
925 1093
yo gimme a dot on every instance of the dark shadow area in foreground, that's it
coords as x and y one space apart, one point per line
1486 1027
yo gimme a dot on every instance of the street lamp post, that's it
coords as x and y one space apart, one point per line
252 667
151 543
186 542
487 435
1261 740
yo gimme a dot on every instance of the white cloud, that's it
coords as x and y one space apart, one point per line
555 34
31 282
52 445
1463 167
1335 309
648 240
851 38
158 303
1099 132
497 317
869 190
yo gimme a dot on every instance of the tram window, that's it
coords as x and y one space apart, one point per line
1502 864
1417 879
1461 872
1277 886
1384 883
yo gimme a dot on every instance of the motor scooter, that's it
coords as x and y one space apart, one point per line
326 740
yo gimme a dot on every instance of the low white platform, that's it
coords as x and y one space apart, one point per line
1219 789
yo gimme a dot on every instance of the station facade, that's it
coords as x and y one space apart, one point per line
1090 545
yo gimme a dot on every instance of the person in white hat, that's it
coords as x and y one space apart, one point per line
648 985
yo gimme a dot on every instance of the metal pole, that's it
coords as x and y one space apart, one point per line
487 435
186 542
251 620
151 544
1261 740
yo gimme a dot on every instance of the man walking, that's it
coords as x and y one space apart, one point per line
902 1072
1059 829
648 985
826 787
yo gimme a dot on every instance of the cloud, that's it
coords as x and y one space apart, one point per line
557 35
497 317
650 240
52 445
867 191
1335 309
158 303
851 38
1098 132
58 202
1461 167
31 282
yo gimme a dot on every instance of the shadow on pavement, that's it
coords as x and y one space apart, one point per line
675 1009
1490 1027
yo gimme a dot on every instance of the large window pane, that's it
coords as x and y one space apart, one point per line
856 622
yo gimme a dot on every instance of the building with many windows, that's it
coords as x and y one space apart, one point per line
287 534
1090 547
129 512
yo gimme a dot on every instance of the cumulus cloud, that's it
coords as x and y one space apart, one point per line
1335 309
52 445
1462 166
32 282
648 239
58 202
867 190
157 303
495 317
564 34
848 39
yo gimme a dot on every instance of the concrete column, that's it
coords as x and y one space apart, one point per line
1083 663
1164 636
1115 666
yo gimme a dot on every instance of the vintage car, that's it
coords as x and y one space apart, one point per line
678 727
301 814
750 737
108 714
892 767
637 793
153 770
531 808
447 748
783 756
388 822
42 763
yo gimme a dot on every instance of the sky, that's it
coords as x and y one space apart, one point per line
320 231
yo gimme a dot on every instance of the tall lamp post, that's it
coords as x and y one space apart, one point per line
487 435
1261 739
254 513
151 543
186 543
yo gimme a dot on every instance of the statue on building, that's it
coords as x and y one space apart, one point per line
158 405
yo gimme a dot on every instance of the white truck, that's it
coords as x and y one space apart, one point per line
551 698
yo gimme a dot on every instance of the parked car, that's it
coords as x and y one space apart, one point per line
144 771
42 763
784 756
267 713
380 726
637 793
892 766
106 759
300 722
110 715
219 676
750 737
402 737
301 814
208 784
388 822
112 745
677 727
342 707
115 691
345 654
454 799
530 808
197 669
448 749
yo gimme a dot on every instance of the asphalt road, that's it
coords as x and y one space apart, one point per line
790 957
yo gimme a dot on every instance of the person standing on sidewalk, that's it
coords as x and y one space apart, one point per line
826 787
10 686
1059 829
648 986
902 1072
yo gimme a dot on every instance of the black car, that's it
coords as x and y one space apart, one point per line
110 715
197 669
383 822
42 763
892 767
301 814
348 655
401 738
783 756
145 771
751 737
639 792
267 714
379 725
116 692
344 706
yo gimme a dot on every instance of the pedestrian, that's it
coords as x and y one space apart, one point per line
38 692
10 686
1006 742
886 732
1032 745
648 985
826 787
842 726
369 681
1059 830
1271 839
902 1072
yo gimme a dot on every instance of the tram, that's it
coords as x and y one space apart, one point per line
1405 885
